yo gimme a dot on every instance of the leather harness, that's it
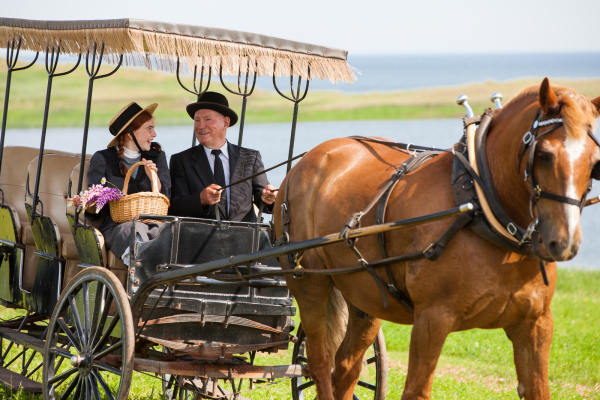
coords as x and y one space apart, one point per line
464 176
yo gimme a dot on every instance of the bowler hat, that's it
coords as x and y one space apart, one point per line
213 101
124 118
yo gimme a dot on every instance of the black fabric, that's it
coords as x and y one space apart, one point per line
105 164
124 118
191 174
213 101
219 174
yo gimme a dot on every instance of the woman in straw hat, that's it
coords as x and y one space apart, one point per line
133 131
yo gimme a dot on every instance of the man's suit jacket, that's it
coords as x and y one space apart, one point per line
191 173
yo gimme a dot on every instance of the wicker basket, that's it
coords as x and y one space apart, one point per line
128 207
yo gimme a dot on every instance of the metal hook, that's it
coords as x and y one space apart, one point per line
197 90
245 93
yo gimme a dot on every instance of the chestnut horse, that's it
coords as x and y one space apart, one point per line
473 284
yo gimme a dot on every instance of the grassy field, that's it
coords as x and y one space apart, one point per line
69 93
475 364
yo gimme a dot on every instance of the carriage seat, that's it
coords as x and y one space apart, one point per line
109 260
54 181
15 161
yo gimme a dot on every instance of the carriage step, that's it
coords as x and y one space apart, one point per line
16 382
22 339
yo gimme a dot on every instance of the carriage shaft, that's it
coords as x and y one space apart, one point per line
181 272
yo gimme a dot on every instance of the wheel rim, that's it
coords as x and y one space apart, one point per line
93 320
372 383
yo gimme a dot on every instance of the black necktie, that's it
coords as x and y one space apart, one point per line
219 174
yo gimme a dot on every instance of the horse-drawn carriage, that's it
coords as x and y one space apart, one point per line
201 300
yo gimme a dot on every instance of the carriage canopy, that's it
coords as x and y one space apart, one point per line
159 45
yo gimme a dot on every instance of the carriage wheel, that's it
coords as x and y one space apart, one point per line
176 387
93 317
372 383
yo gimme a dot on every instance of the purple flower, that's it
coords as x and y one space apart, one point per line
99 195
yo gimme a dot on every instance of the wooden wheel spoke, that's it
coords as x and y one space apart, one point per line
86 311
62 376
366 385
77 319
79 389
107 368
94 387
69 334
74 383
371 360
107 332
60 352
103 317
305 385
109 350
96 313
102 383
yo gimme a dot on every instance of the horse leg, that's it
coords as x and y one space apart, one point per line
360 335
313 294
430 330
531 341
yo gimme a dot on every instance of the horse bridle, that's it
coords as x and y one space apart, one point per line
530 141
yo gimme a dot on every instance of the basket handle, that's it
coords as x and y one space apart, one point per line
153 177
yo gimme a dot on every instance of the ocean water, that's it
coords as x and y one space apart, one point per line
403 72
273 140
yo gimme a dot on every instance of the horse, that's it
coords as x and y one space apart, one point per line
474 283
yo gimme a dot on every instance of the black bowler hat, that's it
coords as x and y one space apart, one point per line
213 101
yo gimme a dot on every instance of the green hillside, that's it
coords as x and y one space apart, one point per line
136 84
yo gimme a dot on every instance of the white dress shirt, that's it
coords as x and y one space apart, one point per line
224 156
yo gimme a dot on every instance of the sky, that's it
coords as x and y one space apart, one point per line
363 27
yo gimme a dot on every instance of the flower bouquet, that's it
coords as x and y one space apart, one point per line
96 195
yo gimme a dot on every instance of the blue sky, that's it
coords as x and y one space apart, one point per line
364 27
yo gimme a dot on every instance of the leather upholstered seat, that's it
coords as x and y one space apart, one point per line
54 182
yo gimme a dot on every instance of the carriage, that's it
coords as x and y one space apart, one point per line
202 302
89 320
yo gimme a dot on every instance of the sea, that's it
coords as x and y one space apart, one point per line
379 73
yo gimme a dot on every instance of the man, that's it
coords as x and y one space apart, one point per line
199 173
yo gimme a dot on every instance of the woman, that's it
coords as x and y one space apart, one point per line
133 128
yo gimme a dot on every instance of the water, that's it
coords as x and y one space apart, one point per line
403 72
273 139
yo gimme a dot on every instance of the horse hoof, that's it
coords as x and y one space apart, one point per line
521 390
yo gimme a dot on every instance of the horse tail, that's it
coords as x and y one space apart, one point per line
337 321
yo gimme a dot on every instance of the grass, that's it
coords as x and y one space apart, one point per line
69 94
475 364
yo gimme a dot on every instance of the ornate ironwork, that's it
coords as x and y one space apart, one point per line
245 93
296 98
197 89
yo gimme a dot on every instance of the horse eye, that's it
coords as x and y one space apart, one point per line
545 156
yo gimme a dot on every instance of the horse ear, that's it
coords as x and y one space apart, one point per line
596 103
548 99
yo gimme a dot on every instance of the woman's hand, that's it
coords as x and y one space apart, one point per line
151 166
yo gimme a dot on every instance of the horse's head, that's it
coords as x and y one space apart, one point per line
564 158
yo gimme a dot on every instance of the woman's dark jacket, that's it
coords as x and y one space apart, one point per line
105 164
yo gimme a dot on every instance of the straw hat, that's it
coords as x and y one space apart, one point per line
124 118
216 102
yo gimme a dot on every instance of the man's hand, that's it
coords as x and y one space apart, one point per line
211 195
269 194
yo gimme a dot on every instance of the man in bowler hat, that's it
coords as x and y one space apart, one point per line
198 174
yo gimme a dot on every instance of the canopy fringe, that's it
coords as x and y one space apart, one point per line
157 50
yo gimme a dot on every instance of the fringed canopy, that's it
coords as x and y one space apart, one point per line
159 44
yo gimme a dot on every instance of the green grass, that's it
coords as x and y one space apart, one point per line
475 364
69 95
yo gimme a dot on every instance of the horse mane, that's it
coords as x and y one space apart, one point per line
577 111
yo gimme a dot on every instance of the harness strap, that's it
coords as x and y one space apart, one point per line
551 196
